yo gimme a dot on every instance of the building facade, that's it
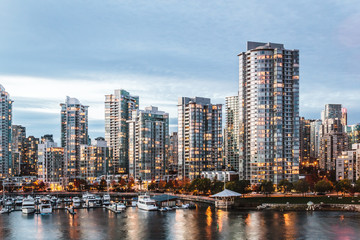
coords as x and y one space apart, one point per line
173 153
353 132
231 134
118 110
29 156
199 137
148 144
305 141
51 162
74 132
269 113
315 138
18 137
348 164
333 142
5 132
93 160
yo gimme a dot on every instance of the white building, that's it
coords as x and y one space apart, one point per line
118 110
348 164
148 144
5 132
269 113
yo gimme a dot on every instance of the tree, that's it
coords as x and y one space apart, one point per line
204 185
357 185
217 186
301 186
323 186
102 185
161 184
240 186
285 186
343 186
130 183
267 187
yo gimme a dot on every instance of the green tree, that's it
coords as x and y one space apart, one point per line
323 186
285 186
204 185
240 186
301 186
102 185
343 186
267 187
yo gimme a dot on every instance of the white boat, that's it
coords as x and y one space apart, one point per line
6 210
76 200
19 200
106 199
28 205
53 199
37 199
168 208
185 206
9 202
117 207
45 206
89 199
146 203
98 200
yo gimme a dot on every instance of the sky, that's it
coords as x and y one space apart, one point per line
162 50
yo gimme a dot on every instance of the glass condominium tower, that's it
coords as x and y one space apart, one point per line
231 133
199 137
5 132
118 110
148 144
269 113
74 132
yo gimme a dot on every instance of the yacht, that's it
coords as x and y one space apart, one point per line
98 200
76 200
45 206
89 199
19 200
53 200
117 207
28 205
106 199
146 203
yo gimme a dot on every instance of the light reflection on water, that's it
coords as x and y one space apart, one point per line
201 223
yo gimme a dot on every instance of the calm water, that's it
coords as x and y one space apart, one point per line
202 223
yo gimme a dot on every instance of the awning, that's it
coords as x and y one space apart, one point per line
226 193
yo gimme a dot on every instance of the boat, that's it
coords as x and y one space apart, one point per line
185 206
8 202
6 210
106 199
45 206
146 203
76 200
67 200
162 209
98 200
28 205
19 200
37 199
89 199
168 208
117 207
53 200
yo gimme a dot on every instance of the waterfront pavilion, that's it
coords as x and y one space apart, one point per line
225 199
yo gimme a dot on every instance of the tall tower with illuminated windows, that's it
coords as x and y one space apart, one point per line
5 132
269 113
199 136
118 110
74 132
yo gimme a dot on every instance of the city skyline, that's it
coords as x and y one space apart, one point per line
161 62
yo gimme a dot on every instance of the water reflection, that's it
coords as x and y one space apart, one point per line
202 223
